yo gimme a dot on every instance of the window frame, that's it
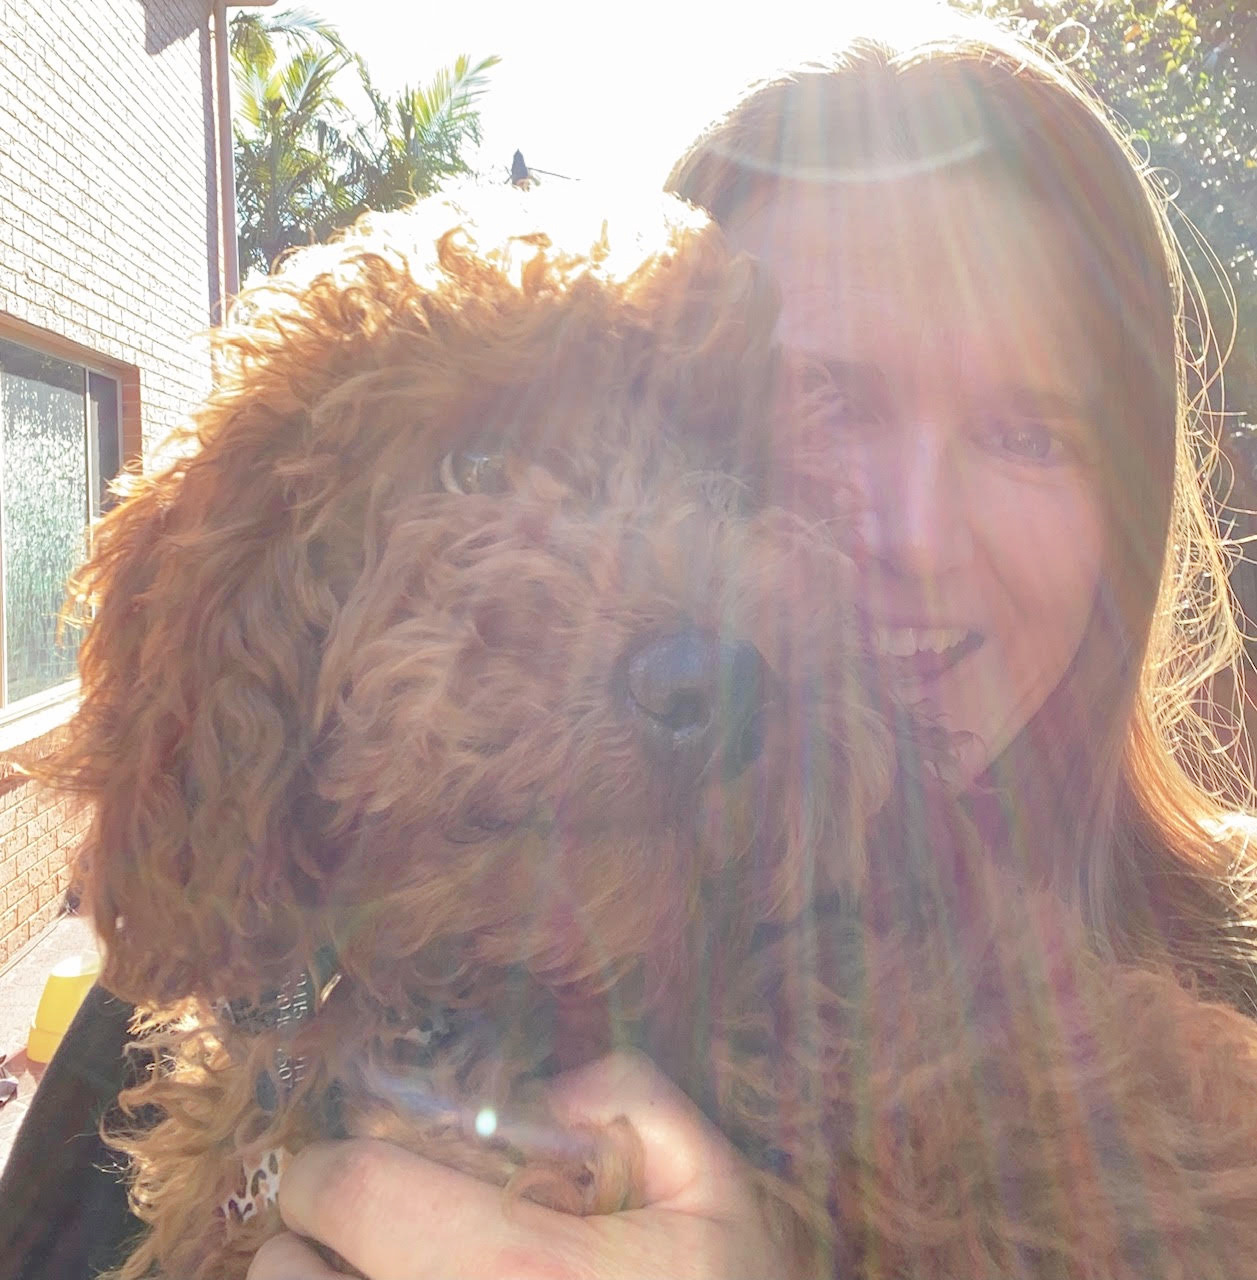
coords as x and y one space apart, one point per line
40 707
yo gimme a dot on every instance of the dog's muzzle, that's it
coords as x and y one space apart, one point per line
697 700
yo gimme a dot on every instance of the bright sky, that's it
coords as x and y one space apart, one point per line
598 91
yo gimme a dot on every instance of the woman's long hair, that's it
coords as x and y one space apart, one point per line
1140 781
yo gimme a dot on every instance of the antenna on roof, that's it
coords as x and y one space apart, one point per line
523 177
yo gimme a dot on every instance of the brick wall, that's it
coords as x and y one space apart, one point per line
108 254
38 835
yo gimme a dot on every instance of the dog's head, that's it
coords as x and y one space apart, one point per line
466 634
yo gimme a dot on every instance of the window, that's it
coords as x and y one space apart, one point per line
59 447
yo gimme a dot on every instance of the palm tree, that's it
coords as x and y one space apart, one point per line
424 132
288 186
304 164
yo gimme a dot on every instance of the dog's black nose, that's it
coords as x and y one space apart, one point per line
695 694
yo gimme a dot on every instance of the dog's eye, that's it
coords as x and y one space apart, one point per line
471 471
475 827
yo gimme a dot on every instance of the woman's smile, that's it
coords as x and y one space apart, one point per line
922 654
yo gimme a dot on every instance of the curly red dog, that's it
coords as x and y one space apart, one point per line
466 702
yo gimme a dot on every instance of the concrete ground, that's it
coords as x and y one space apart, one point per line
21 985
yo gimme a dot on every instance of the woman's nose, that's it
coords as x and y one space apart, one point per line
917 516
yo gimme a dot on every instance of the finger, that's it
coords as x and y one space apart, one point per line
396 1216
284 1257
690 1166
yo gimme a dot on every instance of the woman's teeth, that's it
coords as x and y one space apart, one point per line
907 642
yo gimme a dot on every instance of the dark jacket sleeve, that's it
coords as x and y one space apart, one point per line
63 1205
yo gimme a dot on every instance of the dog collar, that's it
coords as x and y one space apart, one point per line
298 1000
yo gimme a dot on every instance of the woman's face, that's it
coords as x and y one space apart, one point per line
943 379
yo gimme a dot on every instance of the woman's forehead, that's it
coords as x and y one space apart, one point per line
958 268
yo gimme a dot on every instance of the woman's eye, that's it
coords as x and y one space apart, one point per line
466 471
1025 441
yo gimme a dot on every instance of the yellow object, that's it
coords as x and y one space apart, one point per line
67 985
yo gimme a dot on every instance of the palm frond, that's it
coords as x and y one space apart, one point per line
306 84
251 31
449 100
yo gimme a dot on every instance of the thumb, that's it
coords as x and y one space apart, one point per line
688 1165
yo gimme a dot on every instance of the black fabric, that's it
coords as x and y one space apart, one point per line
63 1205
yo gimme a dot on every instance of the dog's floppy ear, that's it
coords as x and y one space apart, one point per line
207 611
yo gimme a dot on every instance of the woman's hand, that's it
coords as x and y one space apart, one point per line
395 1216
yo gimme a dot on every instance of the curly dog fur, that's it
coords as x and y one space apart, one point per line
385 666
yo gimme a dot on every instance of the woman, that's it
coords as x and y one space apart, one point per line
980 294
980 314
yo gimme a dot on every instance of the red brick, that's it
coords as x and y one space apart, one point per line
70 834
17 888
39 821
11 798
17 938
28 807
8 820
44 916
12 844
